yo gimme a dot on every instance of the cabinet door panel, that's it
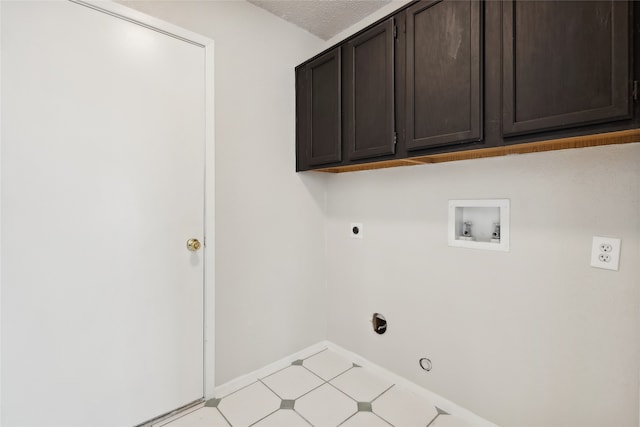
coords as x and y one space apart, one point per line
565 63
444 90
323 106
370 99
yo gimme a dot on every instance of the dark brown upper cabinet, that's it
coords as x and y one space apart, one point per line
565 63
444 73
369 92
441 80
319 121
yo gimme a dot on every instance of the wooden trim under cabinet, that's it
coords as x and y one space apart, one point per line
610 138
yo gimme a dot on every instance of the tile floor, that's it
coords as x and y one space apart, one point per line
323 390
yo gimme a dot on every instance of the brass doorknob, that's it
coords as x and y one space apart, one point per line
193 245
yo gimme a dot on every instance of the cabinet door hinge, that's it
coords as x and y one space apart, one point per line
395 138
395 31
634 90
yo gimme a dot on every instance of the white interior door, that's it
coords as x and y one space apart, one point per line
103 136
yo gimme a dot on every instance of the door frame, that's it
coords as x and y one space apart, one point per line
119 11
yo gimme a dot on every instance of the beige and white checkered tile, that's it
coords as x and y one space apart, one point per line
282 418
249 405
361 385
327 364
326 406
365 419
292 382
403 408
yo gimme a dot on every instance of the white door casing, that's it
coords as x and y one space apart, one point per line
106 128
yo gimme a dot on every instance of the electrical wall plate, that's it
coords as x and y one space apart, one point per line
605 253
479 224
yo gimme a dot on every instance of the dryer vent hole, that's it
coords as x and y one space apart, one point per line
379 323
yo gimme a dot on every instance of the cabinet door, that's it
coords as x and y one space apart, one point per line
444 84
320 99
370 93
565 63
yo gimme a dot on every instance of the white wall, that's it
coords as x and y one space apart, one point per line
270 294
532 337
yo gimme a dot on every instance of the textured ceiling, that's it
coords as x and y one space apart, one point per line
324 18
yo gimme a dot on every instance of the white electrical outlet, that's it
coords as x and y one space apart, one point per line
605 253
356 230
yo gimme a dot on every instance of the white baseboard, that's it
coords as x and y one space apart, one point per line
436 399
245 380
442 403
